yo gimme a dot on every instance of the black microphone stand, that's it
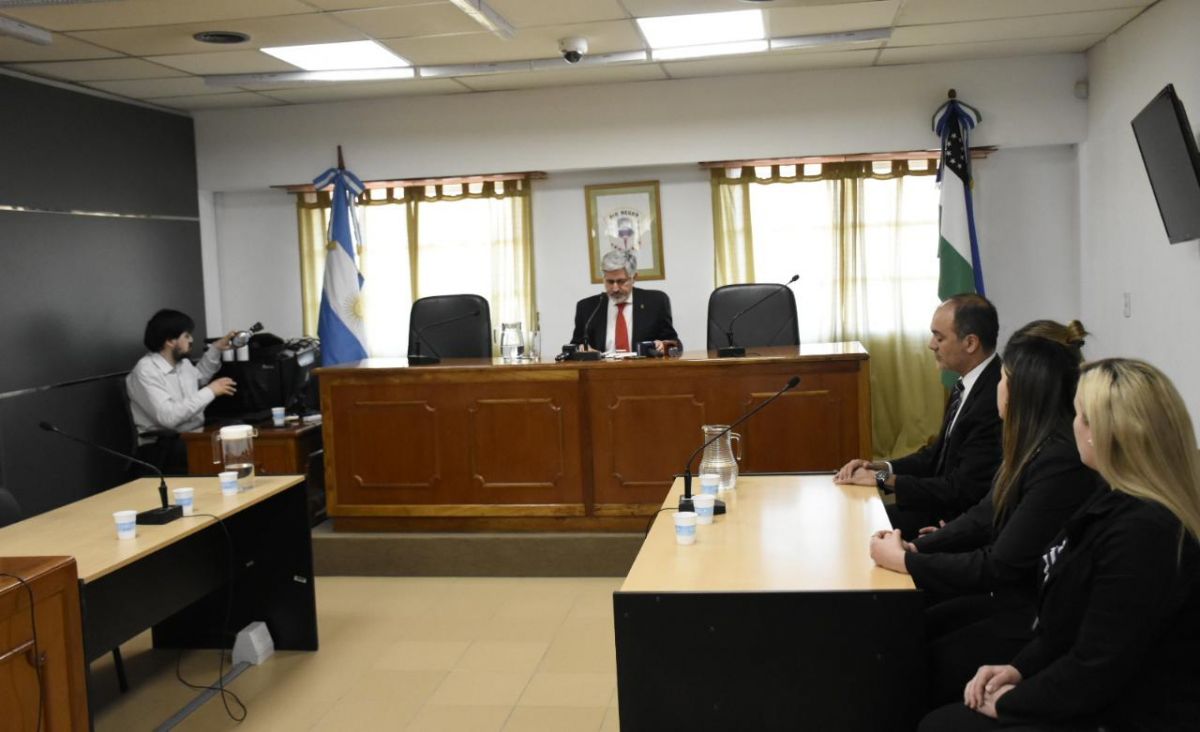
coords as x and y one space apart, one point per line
581 354
685 501
732 351
416 358
163 515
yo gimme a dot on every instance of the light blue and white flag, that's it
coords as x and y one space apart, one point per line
340 326
958 246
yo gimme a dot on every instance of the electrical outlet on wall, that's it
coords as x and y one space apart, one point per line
1128 310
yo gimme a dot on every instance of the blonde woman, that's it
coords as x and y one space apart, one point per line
1117 633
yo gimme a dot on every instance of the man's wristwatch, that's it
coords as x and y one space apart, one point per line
881 477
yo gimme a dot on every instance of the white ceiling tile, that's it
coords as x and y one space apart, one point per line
180 86
314 93
566 77
227 62
1043 26
285 30
807 21
771 62
540 42
651 8
62 48
133 13
231 100
408 21
527 13
98 70
923 12
361 4
988 49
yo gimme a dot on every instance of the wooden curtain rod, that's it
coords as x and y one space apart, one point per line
419 182
976 153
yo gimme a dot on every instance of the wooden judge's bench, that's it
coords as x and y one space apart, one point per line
480 445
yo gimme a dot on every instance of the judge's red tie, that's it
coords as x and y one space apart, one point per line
621 337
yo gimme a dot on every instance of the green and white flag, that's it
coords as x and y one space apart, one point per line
958 247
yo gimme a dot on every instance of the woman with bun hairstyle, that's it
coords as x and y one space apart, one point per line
1117 636
983 564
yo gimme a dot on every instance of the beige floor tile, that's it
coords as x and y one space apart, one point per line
520 657
399 686
556 719
480 688
367 714
583 646
412 654
612 721
568 690
459 719
552 609
498 629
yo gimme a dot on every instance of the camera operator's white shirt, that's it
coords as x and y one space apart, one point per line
162 396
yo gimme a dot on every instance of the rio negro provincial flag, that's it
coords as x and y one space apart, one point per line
958 247
340 325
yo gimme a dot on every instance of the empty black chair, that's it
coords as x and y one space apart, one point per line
451 326
10 510
771 323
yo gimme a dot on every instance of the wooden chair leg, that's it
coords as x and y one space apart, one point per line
119 665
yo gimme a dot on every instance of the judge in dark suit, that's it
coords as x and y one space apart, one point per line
941 481
1116 639
623 315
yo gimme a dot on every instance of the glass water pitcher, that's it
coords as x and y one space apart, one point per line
719 457
233 447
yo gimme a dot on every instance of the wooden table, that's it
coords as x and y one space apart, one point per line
476 444
277 450
175 577
776 618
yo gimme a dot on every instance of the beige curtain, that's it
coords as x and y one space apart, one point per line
871 297
428 240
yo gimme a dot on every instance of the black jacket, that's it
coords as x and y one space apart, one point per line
1118 626
975 553
651 318
973 452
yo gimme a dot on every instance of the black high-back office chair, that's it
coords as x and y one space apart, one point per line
773 323
10 513
451 326
168 440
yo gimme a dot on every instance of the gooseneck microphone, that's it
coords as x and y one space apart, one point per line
163 515
583 355
416 358
685 501
732 350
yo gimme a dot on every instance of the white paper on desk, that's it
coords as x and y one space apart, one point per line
618 355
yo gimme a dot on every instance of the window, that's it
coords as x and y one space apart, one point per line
427 240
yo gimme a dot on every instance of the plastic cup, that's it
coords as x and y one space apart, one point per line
710 483
229 482
126 524
685 527
185 499
704 504
277 416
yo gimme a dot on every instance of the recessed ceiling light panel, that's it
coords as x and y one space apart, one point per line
338 56
709 49
673 31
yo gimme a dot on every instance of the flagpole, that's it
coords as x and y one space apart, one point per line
341 163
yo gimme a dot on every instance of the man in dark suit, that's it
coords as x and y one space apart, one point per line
623 315
942 480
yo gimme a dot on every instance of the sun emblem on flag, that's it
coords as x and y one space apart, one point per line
354 306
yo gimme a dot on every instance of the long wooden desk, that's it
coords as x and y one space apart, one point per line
475 444
776 618
175 577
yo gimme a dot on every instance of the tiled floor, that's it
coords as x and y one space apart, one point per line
458 654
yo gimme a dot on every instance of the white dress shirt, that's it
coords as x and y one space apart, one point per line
162 396
610 335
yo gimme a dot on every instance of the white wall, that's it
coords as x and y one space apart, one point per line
1026 196
1026 216
1124 244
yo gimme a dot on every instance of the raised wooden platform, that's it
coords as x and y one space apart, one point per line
473 555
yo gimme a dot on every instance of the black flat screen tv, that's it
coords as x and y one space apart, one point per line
1172 163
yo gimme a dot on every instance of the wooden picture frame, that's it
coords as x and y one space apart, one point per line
621 215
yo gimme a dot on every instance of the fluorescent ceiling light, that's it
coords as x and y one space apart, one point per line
336 56
24 31
486 15
711 49
302 77
672 31
829 39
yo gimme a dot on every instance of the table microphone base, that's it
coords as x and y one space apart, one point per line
163 515
731 352
585 356
686 504
417 359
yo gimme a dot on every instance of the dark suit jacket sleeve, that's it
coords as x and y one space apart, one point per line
662 329
583 309
971 530
969 480
1133 571
1055 485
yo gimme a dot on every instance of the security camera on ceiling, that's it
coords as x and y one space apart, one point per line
572 48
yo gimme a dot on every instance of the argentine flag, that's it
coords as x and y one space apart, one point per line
958 247
340 326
